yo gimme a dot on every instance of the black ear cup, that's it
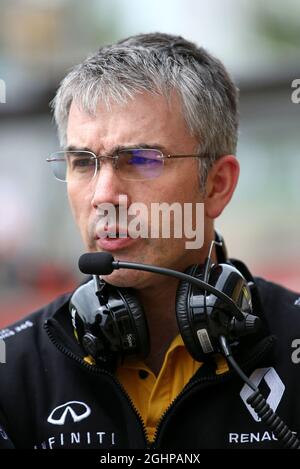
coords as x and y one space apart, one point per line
138 319
183 316
205 317
109 323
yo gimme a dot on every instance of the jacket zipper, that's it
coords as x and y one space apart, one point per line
98 371
207 380
180 396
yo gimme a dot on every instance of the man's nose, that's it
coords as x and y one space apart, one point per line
107 185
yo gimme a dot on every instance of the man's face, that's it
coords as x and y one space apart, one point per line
146 120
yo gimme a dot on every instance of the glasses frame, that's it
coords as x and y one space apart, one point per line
115 158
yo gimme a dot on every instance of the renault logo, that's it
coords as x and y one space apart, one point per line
75 409
274 383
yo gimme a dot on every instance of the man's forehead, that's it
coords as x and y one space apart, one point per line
145 117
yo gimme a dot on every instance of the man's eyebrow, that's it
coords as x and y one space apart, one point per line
77 149
118 148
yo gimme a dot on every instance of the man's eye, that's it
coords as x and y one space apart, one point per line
142 160
138 160
82 163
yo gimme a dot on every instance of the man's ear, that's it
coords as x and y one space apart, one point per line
220 185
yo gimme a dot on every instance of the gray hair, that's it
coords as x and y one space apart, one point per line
158 63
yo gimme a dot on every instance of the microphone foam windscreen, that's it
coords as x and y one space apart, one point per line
96 263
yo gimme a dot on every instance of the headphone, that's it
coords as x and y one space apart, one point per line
110 321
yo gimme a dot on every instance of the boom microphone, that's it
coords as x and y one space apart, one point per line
101 263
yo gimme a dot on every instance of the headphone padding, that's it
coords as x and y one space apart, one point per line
138 317
185 327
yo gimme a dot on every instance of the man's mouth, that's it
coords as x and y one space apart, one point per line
113 239
112 233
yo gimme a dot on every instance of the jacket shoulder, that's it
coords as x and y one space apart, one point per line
281 306
271 292
25 335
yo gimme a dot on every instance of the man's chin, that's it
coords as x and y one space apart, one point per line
125 278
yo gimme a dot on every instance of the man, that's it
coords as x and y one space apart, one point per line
150 119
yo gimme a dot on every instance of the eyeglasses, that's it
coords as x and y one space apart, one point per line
132 164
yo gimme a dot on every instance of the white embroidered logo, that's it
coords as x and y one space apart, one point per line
77 410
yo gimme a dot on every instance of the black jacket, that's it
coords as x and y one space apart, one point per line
50 398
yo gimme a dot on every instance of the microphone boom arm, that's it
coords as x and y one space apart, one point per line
189 278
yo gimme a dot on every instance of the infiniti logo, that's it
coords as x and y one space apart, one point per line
77 411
